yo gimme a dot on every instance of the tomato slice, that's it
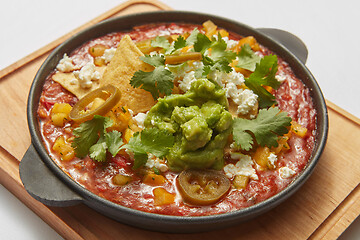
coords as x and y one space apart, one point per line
109 93
202 187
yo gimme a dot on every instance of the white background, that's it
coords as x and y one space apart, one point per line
329 29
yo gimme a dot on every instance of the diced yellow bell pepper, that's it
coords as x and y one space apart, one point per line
154 179
163 197
223 33
261 156
298 129
248 40
210 28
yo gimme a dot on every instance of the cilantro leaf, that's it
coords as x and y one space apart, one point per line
180 42
98 151
269 124
247 59
87 134
160 41
218 59
91 138
159 81
155 60
114 142
192 38
219 53
264 75
150 140
202 43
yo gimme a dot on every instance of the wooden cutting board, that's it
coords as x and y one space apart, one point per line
323 208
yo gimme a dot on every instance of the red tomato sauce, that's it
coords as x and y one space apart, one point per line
292 97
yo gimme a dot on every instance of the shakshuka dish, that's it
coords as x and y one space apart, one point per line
177 119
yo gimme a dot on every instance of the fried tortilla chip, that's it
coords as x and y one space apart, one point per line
65 80
119 72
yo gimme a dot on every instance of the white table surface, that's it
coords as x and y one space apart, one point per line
329 29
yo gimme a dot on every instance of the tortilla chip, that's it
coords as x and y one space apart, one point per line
65 78
119 72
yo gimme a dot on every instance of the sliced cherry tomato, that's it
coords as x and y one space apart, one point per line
109 93
203 187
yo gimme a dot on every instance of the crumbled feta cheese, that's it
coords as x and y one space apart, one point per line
65 64
139 119
246 99
281 77
153 161
231 44
244 166
87 74
286 172
272 160
184 71
185 83
108 54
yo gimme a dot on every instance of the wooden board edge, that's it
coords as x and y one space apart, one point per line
343 112
341 218
27 59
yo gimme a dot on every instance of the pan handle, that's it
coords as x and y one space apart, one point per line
42 184
288 40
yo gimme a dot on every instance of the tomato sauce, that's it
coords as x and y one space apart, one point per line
292 97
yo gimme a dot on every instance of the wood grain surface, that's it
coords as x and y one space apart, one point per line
323 208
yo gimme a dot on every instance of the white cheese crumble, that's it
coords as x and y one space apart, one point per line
286 172
281 77
246 99
231 44
185 84
65 64
108 54
244 167
139 119
87 74
186 75
272 159
153 161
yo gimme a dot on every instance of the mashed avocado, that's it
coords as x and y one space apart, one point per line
200 123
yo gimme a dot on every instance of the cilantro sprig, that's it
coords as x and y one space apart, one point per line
91 138
159 81
247 59
149 140
264 130
264 75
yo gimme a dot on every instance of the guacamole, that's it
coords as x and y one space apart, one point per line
200 122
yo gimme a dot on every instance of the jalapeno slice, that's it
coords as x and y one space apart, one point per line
109 93
202 187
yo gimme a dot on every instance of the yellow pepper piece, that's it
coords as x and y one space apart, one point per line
298 129
154 179
210 28
163 197
248 40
